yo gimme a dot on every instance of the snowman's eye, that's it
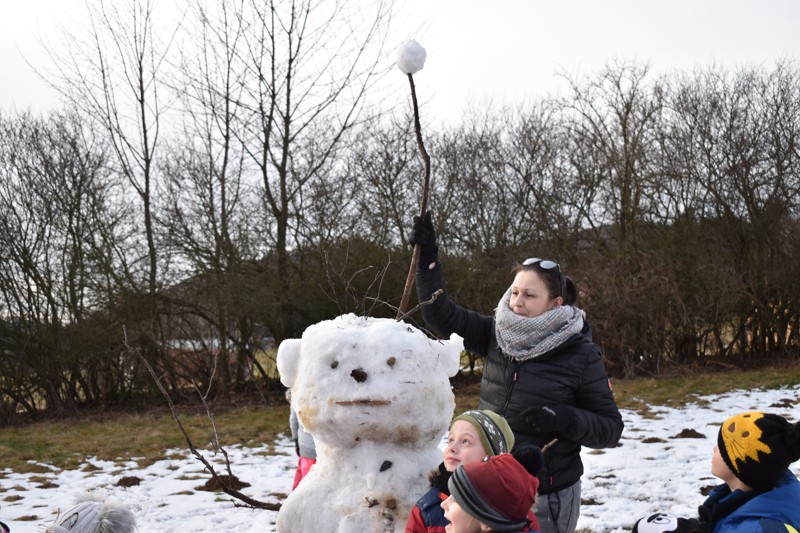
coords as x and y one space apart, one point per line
334 364
391 361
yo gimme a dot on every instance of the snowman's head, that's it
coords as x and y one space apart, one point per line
358 378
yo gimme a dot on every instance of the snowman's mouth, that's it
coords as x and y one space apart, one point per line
364 402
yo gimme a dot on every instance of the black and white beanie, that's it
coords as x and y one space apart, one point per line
493 430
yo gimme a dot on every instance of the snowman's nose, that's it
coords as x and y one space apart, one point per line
359 375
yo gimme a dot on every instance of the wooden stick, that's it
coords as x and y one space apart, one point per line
423 204
364 402
544 448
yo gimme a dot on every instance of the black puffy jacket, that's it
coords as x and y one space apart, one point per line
572 375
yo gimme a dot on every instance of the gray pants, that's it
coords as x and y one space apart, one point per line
558 512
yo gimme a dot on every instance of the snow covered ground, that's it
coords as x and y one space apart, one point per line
651 470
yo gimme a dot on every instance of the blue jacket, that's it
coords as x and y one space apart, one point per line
427 516
755 512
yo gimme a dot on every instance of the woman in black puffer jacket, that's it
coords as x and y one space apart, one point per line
542 372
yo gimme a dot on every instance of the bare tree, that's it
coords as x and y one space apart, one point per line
614 118
737 144
112 72
55 196
310 65
208 205
385 159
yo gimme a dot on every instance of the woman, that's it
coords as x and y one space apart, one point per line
542 372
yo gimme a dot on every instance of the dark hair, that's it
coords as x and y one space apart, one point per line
552 280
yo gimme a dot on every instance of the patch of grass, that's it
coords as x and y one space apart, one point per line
143 438
146 437
677 391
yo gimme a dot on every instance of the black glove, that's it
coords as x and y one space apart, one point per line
423 234
547 419
297 447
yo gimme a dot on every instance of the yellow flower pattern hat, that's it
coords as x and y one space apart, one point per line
758 447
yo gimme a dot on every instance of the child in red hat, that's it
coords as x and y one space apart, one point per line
473 435
495 494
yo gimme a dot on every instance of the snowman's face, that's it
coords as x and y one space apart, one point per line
372 379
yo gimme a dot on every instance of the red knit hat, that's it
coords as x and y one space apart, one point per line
497 491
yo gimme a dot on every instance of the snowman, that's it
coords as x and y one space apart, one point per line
375 394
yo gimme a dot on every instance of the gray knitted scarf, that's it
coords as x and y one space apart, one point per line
524 338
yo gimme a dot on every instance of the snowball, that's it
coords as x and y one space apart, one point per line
411 57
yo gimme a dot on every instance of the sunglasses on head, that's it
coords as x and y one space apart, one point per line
547 264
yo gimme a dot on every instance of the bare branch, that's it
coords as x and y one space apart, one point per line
436 294
423 204
256 504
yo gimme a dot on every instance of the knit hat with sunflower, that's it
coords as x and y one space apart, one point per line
758 447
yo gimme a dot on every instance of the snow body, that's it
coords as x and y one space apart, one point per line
375 394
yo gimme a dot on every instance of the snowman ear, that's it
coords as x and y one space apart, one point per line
451 354
288 359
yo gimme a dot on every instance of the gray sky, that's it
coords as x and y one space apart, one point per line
503 51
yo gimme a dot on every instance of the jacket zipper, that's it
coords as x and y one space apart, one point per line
511 385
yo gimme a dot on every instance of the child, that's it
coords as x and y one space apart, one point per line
95 512
495 494
473 435
760 493
304 445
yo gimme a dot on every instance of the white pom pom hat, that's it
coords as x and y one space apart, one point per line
95 512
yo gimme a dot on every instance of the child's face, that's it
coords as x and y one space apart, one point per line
719 468
463 445
460 520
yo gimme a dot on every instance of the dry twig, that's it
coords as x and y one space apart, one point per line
423 204
436 294
250 502
546 446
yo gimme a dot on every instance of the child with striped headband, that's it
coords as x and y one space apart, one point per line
473 436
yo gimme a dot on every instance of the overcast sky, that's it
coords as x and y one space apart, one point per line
501 51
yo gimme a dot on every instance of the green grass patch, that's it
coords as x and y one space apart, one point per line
143 438
677 391
146 437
